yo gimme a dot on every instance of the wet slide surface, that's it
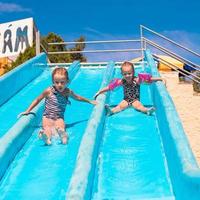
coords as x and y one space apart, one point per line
21 100
43 172
131 162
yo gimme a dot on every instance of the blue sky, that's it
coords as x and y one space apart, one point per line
109 19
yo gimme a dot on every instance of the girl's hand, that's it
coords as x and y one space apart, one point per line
165 82
22 113
96 95
26 113
93 102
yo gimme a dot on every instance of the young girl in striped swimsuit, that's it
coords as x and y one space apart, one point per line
56 99
131 88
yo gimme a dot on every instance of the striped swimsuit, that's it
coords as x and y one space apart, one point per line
55 104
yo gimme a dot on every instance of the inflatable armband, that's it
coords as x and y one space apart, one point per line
144 77
114 83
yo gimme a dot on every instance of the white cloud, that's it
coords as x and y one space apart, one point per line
92 30
12 7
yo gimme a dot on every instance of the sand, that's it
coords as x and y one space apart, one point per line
188 108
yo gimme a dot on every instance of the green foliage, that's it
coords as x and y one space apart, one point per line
62 58
79 47
28 54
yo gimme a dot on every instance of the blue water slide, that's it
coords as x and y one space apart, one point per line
136 156
129 155
183 168
39 171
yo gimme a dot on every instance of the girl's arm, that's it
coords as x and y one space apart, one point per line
80 98
154 79
35 102
147 78
105 89
112 85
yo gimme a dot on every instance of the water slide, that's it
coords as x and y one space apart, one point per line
135 156
131 160
39 171
125 156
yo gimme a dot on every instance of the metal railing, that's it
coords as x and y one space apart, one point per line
174 67
167 39
94 42
195 66
144 41
172 54
95 50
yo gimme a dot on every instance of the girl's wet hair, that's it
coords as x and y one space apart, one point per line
127 63
61 71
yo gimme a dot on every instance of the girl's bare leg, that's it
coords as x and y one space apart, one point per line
121 106
60 127
138 106
47 130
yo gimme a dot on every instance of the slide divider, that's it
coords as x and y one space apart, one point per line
80 186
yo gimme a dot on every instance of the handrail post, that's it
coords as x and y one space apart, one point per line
142 45
37 43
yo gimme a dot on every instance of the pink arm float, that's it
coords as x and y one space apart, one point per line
114 83
144 77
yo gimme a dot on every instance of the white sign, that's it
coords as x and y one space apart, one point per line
15 37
